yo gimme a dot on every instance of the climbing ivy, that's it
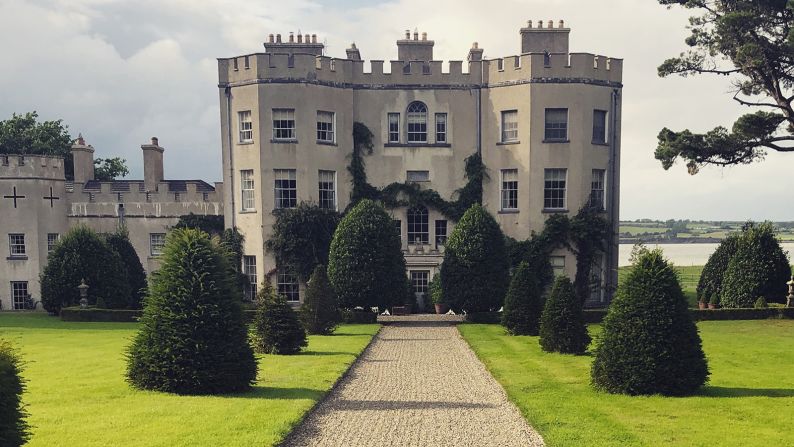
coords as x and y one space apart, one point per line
398 194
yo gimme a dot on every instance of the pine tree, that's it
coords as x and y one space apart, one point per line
276 325
319 312
14 430
523 303
136 276
649 345
562 326
193 339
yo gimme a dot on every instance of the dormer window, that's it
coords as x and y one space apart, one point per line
417 122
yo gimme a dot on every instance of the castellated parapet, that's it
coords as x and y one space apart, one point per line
32 167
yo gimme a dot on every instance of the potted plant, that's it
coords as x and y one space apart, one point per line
436 296
703 302
714 301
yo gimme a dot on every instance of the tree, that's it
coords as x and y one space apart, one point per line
758 268
276 326
192 339
649 344
476 271
365 263
24 134
710 282
136 276
523 303
106 169
82 254
319 312
14 429
751 42
562 326
302 237
212 225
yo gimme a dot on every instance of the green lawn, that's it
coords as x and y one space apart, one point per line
688 275
748 402
77 395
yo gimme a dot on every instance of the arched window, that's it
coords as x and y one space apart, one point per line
417 122
418 227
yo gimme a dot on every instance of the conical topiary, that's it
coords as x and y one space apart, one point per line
319 312
136 276
193 339
649 345
562 326
276 326
523 303
14 430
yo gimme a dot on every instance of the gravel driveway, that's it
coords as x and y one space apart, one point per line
418 384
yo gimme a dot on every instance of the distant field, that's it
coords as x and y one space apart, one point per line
640 230
717 230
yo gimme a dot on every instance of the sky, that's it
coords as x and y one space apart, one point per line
120 72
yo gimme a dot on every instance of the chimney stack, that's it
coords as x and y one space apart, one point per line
548 39
152 164
83 160
475 53
353 53
415 49
304 44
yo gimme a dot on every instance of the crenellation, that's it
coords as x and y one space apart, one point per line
32 166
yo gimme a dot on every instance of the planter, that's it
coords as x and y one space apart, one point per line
712 306
702 305
441 308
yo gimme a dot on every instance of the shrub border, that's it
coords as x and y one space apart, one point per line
100 315
597 315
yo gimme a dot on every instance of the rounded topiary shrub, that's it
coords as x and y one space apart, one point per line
476 270
320 312
14 430
366 265
562 326
523 303
759 267
710 283
83 254
277 329
192 339
136 276
649 343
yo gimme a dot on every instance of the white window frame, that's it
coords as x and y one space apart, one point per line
245 126
509 126
557 265
555 127
605 139
326 187
285 188
416 119
551 183
441 128
509 189
598 183
247 194
326 125
16 245
52 240
156 244
393 127
287 285
19 293
441 236
284 125
249 270
420 279
418 218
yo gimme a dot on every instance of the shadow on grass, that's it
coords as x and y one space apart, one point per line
721 391
268 392
302 353
349 334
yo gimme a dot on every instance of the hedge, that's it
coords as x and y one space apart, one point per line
101 315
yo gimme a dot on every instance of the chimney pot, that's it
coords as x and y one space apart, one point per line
424 36
291 37
540 23
562 24
278 38
551 23
300 38
529 23
270 38
155 141
307 38
475 45
407 34
80 139
314 38
416 35
353 45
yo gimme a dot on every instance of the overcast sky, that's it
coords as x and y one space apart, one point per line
123 71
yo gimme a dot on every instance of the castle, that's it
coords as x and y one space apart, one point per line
545 122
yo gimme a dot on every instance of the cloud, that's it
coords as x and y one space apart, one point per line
123 71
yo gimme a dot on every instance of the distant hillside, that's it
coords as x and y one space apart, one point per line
688 231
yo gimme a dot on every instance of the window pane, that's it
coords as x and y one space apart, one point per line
441 232
247 186
19 293
418 226
419 280
249 270
288 286
283 124
599 126
597 189
417 176
327 189
556 124
52 239
417 123
509 189
441 127
325 126
286 189
156 243
554 188
17 244
246 127
509 126
557 265
394 128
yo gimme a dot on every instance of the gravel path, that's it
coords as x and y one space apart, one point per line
418 384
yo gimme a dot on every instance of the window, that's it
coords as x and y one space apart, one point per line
599 126
288 286
246 126
554 189
19 293
325 127
249 270
283 124
16 243
597 189
286 188
394 128
441 127
556 124
417 176
398 227
417 122
419 280
509 126
557 265
247 185
597 278
418 226
441 233
52 239
156 242
246 64
327 187
509 189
